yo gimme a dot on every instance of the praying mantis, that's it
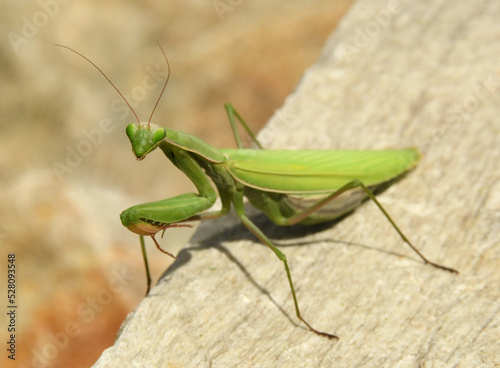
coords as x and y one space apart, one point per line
289 186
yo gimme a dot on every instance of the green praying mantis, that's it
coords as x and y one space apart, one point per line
289 186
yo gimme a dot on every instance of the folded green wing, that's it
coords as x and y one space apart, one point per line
310 171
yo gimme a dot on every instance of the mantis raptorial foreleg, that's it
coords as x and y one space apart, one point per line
145 256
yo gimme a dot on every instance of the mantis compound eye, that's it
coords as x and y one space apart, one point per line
158 134
131 130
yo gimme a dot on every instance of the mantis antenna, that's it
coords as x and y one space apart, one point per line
117 90
164 86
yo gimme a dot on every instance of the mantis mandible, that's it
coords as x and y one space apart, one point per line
289 186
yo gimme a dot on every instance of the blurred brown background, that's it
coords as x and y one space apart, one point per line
65 179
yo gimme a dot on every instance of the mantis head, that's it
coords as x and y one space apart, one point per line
144 137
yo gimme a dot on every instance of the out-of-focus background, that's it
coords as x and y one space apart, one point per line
66 168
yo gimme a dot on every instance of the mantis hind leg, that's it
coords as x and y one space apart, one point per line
278 218
240 210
